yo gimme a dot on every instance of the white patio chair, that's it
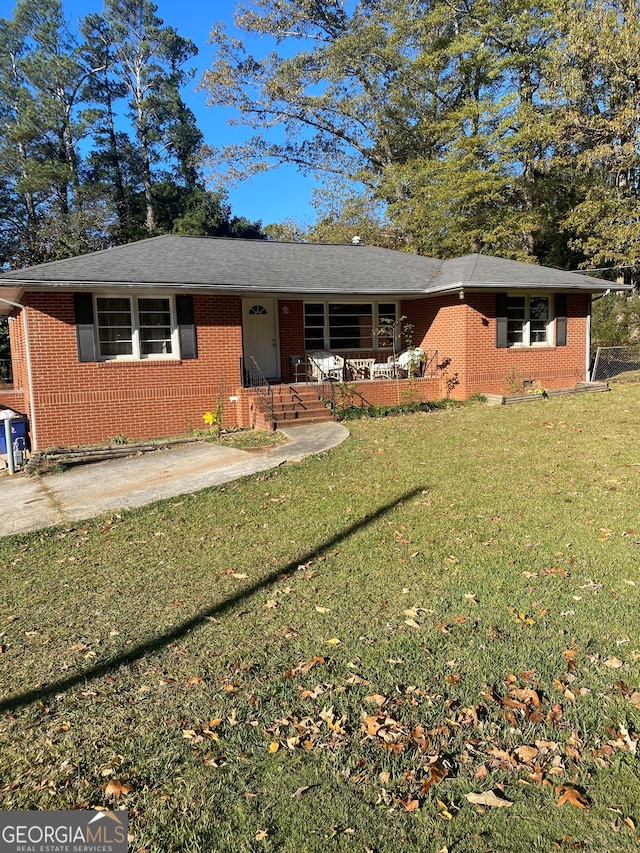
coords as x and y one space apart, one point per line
406 363
326 366
384 369
410 360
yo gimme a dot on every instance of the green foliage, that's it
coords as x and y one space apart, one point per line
98 148
495 127
409 407
615 321
5 352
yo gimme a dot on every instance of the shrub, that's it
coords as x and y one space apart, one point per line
351 413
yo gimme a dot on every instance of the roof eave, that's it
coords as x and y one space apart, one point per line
234 289
10 296
480 287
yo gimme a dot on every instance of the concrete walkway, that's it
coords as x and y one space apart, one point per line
31 503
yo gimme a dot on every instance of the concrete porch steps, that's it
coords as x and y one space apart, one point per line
298 404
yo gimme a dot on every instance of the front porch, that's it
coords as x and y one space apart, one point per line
273 405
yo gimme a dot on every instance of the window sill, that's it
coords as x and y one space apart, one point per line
127 362
530 346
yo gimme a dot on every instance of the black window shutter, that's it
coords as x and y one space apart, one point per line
561 319
186 327
501 320
85 332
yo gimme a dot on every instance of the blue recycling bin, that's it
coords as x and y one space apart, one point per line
19 429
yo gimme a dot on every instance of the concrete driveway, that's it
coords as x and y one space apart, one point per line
31 503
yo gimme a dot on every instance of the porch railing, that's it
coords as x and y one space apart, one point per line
253 378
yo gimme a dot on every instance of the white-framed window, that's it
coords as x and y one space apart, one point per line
349 325
529 320
135 327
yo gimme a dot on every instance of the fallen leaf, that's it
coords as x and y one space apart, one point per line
613 663
412 623
241 576
376 699
445 813
526 754
274 746
300 791
488 798
356 679
261 834
371 725
334 641
438 772
323 609
569 794
115 788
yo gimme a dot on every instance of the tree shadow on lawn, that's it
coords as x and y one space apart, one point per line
156 644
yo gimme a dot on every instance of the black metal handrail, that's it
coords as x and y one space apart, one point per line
253 378
431 367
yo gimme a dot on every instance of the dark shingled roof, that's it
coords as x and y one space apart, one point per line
246 266
487 272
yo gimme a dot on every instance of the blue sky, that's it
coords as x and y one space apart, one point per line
275 196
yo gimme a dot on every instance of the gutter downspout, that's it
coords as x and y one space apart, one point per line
588 330
32 404
587 372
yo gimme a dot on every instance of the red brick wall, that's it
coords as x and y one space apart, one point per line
83 403
291 317
389 392
546 367
441 323
464 334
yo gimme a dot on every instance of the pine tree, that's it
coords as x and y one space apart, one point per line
148 60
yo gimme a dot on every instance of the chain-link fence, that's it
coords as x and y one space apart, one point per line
612 361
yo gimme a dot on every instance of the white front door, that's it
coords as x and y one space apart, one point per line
260 335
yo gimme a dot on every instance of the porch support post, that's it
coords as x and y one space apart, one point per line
27 346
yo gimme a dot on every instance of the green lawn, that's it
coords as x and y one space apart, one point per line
331 657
